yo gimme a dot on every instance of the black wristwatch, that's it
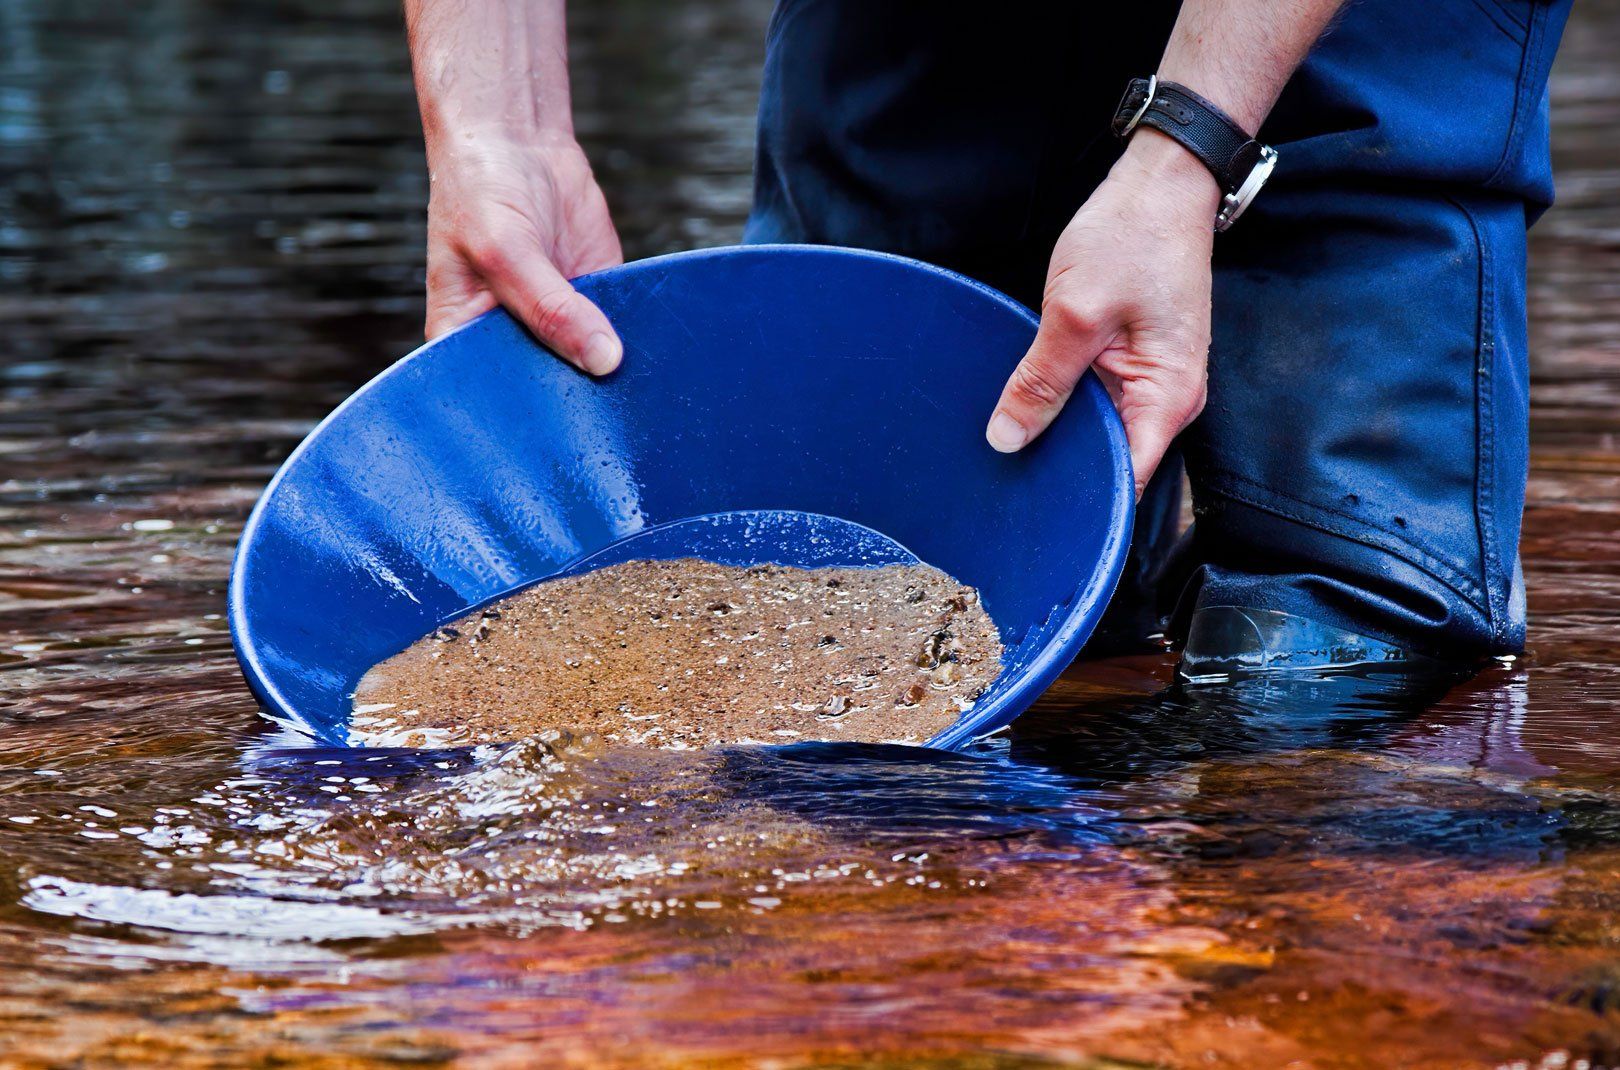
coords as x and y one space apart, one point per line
1239 163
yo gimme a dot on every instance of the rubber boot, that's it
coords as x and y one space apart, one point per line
1232 642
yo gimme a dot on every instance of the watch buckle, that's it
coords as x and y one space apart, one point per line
1234 204
1147 102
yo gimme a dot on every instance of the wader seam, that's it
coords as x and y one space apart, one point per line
1529 62
1485 426
1315 516
1493 12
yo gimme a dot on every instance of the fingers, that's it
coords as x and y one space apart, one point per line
455 293
1152 425
534 291
447 312
1069 339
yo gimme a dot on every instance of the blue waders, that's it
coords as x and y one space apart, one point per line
1361 461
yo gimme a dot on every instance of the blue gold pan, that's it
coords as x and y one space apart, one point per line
801 405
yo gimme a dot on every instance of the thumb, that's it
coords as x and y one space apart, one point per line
1064 347
534 291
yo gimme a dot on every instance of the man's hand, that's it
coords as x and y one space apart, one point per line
1129 285
514 212
511 223
1128 292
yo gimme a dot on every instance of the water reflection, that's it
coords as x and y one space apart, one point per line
1140 862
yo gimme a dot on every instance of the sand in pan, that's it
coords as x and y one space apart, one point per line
689 653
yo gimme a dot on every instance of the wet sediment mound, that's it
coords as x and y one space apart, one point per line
689 653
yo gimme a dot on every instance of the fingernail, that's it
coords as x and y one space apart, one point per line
602 353
1005 433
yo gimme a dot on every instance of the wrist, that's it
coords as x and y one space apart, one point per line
492 141
454 108
1163 168
444 118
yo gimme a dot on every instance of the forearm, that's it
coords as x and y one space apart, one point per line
1240 53
490 65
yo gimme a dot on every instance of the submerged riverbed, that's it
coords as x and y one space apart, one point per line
210 233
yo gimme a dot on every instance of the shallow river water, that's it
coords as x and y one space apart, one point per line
210 232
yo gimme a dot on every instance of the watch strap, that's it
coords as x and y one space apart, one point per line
1239 163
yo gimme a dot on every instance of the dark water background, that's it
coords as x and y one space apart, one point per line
211 231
